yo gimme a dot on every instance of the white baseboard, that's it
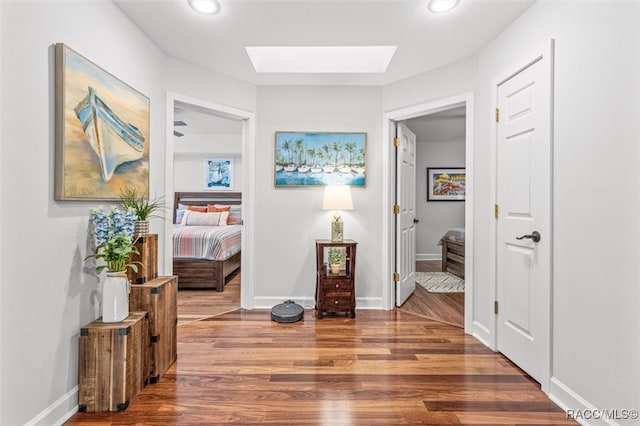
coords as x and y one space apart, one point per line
371 303
482 333
310 302
583 412
270 302
59 412
426 256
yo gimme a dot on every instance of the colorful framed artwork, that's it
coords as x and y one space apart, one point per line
446 184
319 159
218 174
102 132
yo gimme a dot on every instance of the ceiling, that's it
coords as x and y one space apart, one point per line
444 126
201 121
424 41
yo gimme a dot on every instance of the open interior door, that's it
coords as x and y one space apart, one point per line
405 210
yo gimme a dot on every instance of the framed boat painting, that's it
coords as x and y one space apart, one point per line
102 132
446 184
319 159
218 174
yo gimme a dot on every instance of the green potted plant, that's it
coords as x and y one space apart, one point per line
116 253
337 257
143 206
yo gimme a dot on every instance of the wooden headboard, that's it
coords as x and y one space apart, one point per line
204 198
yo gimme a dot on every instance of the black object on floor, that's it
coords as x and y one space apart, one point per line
289 311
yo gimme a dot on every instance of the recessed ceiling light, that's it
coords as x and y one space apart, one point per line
208 7
321 59
441 6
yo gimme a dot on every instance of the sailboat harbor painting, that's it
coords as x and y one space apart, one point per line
102 132
318 159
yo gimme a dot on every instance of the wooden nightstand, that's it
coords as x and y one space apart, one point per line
335 292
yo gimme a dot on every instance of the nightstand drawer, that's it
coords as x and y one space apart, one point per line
337 286
336 303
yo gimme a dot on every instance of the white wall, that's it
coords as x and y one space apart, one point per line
190 152
435 216
444 82
596 296
188 80
48 292
289 220
2 177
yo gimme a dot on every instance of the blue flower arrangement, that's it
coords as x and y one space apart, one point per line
113 230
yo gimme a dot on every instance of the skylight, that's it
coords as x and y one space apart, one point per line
321 59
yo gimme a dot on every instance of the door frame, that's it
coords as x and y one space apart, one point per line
247 289
388 193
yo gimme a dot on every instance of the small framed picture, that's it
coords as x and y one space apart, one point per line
446 184
218 174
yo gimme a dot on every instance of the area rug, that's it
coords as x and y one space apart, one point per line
440 282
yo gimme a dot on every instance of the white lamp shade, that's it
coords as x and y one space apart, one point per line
337 197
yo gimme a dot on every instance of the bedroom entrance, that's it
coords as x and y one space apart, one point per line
207 178
439 219
451 148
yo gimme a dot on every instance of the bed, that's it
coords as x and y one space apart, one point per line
453 252
205 253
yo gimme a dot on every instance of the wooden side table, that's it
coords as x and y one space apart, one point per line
112 363
159 297
335 292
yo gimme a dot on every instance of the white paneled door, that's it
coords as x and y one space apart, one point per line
524 196
405 219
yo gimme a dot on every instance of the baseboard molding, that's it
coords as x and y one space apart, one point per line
310 302
371 303
59 412
482 333
424 256
572 403
270 302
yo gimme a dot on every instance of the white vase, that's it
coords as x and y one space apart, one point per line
115 297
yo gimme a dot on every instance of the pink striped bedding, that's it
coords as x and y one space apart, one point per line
206 242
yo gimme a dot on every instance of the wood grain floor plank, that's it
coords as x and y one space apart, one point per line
444 307
382 368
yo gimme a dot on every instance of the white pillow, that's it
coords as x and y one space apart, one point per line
192 218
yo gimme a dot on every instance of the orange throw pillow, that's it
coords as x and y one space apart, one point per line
201 209
214 209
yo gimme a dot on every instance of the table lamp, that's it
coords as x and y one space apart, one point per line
336 198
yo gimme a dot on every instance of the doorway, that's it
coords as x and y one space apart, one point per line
440 148
389 175
225 116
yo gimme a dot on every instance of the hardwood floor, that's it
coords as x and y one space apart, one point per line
195 305
443 307
382 368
